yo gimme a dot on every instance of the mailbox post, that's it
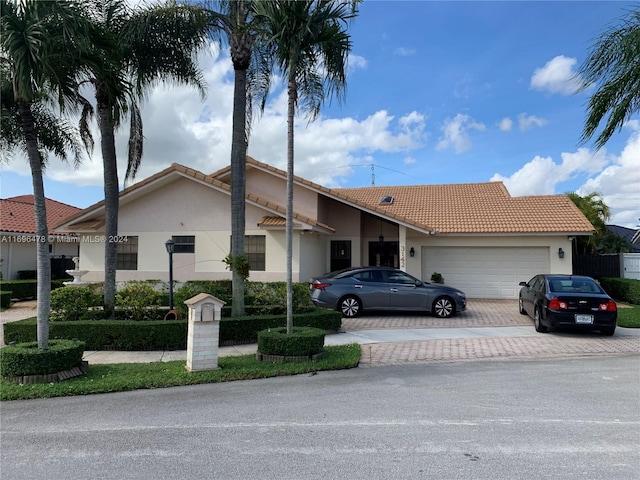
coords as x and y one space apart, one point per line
203 336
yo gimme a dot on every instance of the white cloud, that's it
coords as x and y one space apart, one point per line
506 124
456 133
179 127
557 76
537 177
409 160
356 62
405 52
617 177
619 183
527 122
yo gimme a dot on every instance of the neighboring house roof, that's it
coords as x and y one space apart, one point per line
472 208
17 214
632 236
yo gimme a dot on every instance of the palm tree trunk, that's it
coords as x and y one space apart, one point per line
111 193
292 93
240 54
43 261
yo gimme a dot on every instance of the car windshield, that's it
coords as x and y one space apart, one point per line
574 285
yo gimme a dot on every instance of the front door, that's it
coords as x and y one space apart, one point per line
340 254
383 254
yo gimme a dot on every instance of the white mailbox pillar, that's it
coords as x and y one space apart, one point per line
203 336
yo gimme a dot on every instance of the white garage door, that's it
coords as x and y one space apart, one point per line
485 272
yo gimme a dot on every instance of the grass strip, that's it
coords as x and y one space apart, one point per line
124 377
629 316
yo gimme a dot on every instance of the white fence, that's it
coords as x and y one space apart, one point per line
630 265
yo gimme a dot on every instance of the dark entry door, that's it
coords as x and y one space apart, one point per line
340 254
383 254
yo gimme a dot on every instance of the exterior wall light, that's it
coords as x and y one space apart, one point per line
412 252
560 253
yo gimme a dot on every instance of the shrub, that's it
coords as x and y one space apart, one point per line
73 303
140 299
221 289
302 342
25 289
437 277
5 299
163 334
28 359
271 297
624 289
27 274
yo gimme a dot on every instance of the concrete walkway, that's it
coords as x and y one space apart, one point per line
488 329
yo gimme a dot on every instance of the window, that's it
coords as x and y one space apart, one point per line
254 249
400 277
127 258
369 276
184 243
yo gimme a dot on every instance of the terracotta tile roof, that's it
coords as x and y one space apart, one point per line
474 208
281 222
17 215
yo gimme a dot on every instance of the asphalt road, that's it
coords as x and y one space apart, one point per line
571 418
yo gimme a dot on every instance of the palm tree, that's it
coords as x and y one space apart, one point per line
235 19
597 212
41 54
139 48
310 45
613 66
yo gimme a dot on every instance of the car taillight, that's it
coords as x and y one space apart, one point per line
320 286
556 304
610 306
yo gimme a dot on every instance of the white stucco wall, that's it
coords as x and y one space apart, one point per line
17 256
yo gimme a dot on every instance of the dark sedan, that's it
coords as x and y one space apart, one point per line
353 290
568 301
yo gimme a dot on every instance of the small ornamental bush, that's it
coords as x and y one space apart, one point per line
73 303
28 359
140 299
301 342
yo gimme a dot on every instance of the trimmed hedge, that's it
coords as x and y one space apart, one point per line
302 342
163 334
107 334
624 289
25 289
28 359
5 299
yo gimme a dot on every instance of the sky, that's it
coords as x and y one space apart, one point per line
437 93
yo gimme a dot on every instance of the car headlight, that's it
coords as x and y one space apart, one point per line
461 295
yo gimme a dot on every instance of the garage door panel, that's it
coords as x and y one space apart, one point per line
485 272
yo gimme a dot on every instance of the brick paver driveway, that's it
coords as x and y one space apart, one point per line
483 313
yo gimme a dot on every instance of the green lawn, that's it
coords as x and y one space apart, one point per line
132 376
629 316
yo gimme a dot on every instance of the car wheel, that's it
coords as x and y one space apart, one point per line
537 321
443 307
350 306
607 332
521 306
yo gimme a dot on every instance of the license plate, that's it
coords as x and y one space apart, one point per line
584 318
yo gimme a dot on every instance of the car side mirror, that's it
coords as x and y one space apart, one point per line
419 283
523 284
